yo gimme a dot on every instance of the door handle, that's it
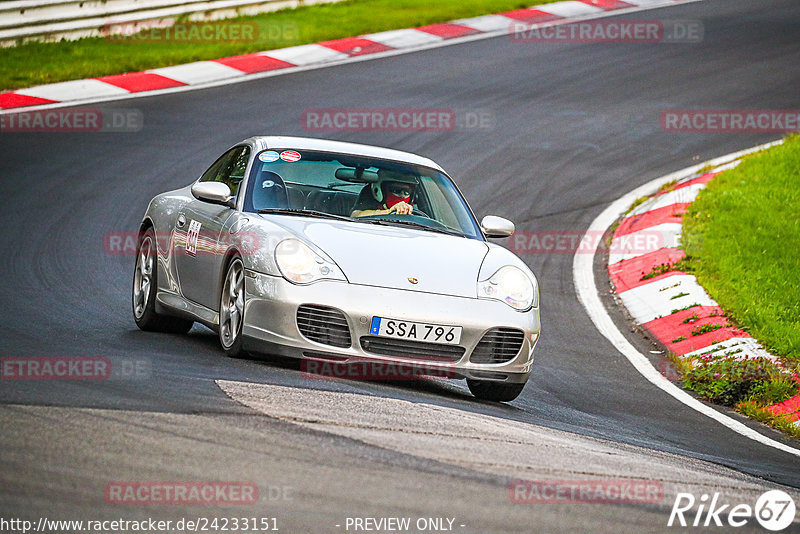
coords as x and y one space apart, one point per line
181 220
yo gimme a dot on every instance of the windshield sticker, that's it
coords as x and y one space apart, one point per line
268 156
290 155
267 183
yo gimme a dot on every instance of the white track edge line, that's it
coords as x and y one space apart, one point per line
587 294
291 70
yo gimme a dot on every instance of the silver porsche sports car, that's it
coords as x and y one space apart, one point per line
343 253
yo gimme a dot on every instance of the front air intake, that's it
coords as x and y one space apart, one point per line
416 350
324 325
498 345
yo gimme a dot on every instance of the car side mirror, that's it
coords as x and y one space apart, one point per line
214 192
494 226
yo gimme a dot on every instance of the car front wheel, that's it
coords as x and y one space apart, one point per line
231 309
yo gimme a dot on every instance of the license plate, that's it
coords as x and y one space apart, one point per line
432 333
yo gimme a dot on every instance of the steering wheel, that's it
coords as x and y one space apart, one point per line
416 211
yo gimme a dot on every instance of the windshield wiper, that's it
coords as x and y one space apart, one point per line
391 222
304 213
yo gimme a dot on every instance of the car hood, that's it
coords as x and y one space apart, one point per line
388 256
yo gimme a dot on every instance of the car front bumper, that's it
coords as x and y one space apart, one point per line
270 326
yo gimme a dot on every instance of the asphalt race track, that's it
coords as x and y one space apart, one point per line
573 127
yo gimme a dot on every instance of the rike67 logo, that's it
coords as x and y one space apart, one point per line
774 510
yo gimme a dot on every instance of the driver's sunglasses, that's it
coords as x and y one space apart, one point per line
400 190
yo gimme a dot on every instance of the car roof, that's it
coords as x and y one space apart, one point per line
326 145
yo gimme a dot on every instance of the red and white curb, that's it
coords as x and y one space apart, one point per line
588 295
673 306
240 68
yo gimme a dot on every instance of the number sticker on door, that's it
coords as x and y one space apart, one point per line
192 235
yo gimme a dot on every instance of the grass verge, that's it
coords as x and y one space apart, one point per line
743 230
724 380
40 63
749 386
741 236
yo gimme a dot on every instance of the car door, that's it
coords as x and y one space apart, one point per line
201 232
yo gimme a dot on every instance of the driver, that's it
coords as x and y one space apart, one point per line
392 193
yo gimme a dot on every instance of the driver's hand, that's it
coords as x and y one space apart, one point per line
402 208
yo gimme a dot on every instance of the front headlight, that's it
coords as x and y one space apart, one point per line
510 285
301 265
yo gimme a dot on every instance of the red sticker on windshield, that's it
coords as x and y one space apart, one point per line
290 155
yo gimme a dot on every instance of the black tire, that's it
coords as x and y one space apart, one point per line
143 301
494 391
230 331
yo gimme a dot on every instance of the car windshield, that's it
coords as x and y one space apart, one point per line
357 188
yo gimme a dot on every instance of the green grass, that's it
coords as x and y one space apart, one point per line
704 169
756 411
676 310
744 229
704 329
668 186
40 63
685 264
636 203
730 382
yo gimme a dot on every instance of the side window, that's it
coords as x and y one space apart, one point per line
229 169
211 174
236 173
